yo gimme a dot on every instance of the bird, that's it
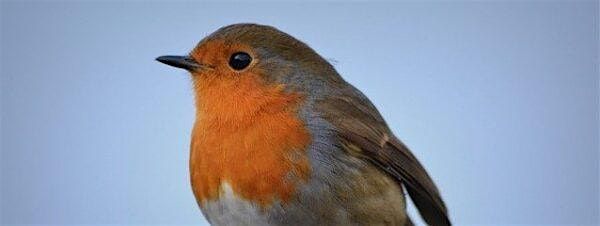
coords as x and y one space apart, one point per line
280 138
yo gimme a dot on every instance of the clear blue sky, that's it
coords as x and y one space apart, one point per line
498 100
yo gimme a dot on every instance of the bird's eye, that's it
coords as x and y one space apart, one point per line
239 60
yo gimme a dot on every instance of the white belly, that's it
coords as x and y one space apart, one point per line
232 210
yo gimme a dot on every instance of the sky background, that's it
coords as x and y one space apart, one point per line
498 100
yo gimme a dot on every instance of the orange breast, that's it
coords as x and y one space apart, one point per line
248 135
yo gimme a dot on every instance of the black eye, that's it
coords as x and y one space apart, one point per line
239 60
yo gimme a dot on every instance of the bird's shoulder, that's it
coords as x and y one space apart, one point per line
363 133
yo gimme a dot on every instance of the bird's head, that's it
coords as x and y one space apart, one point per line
251 50
251 66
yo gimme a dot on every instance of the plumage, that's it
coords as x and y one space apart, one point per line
284 140
361 128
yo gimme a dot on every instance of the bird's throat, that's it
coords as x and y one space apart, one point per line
248 135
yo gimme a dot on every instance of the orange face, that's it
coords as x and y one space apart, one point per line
247 132
216 55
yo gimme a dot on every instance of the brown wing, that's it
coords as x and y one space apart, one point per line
360 125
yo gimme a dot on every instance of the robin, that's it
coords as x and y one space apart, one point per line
281 139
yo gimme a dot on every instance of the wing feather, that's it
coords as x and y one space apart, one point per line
359 124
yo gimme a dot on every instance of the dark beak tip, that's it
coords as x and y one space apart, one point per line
168 59
184 62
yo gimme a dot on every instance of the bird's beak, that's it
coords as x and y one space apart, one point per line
184 62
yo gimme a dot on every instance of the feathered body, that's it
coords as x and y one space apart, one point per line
288 142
